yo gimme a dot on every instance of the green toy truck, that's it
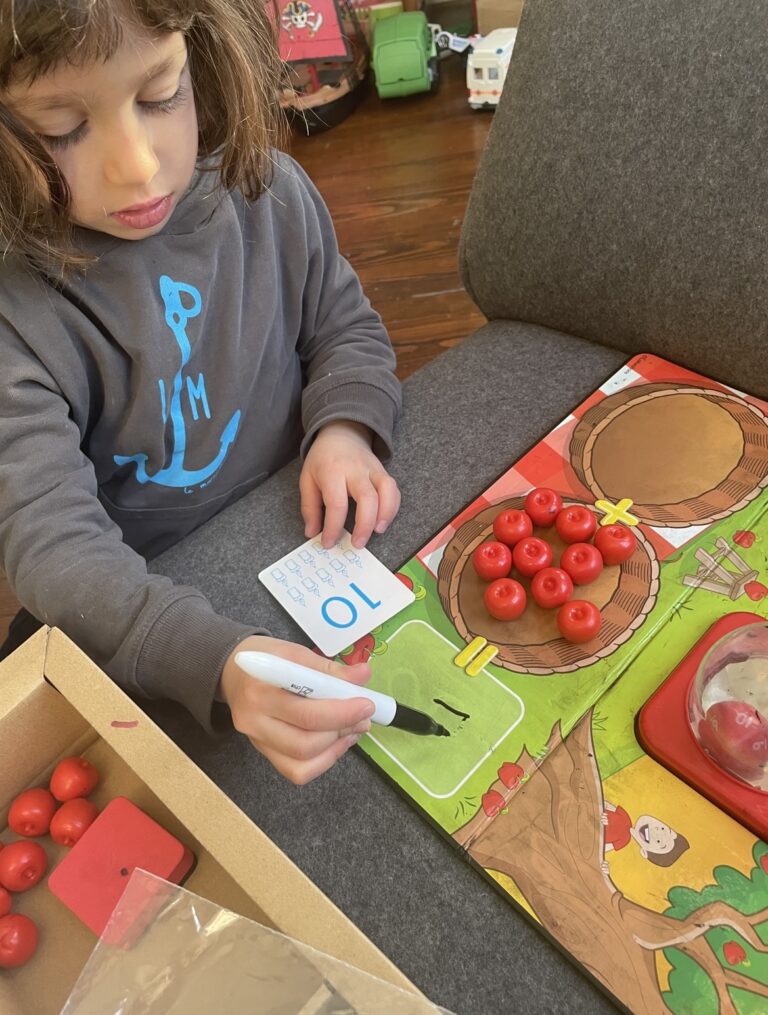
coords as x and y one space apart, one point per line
404 55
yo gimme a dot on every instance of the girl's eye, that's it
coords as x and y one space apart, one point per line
167 105
57 142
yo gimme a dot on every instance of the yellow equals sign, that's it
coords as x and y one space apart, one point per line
475 656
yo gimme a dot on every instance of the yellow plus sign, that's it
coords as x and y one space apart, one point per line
613 513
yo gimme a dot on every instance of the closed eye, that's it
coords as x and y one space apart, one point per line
57 142
167 105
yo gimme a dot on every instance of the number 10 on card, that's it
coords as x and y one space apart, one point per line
341 613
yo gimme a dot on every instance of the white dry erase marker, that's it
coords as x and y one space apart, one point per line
309 683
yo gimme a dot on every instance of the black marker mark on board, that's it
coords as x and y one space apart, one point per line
464 715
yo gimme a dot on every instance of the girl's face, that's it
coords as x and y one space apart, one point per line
123 132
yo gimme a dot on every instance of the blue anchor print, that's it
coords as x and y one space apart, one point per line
174 474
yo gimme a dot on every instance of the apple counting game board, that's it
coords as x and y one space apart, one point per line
543 782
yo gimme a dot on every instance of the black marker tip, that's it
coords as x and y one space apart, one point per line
413 721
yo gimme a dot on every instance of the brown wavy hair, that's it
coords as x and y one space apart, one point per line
235 70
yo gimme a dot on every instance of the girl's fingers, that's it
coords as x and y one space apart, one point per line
360 673
336 500
302 772
388 500
298 744
315 715
260 701
311 505
300 754
301 737
308 715
364 494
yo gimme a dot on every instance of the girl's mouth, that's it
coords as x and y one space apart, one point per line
144 216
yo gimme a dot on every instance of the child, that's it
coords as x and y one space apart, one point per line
176 323
657 842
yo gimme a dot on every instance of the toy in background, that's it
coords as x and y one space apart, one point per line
406 48
325 55
487 67
368 14
405 61
327 45
404 55
449 42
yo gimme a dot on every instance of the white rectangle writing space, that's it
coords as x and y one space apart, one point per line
338 595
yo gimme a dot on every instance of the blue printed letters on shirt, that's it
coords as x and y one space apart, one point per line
175 474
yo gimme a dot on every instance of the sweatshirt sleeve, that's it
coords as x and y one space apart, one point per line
68 565
347 356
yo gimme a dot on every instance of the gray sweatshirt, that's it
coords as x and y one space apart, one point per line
139 399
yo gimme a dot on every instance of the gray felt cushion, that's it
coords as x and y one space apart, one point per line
468 416
623 192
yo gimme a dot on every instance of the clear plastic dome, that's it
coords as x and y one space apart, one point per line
728 704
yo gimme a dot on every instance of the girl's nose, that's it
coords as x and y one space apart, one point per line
129 156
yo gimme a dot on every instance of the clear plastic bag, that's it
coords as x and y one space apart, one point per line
166 950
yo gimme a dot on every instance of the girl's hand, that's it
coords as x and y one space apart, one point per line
340 464
301 737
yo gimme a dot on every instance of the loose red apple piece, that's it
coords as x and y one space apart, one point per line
616 543
511 526
575 524
583 562
579 621
531 555
551 587
505 599
492 560
542 505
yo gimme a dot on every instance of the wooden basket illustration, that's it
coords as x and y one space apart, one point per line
684 455
532 643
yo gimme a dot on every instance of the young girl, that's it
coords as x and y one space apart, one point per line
176 323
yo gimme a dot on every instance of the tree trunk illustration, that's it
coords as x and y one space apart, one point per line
549 840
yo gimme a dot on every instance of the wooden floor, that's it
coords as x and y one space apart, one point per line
396 176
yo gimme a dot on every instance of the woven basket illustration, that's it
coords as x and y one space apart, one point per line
625 595
684 455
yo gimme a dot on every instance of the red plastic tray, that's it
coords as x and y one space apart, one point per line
664 732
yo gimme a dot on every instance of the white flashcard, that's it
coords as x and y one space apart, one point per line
337 595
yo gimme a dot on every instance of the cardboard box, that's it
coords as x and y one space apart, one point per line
55 702
498 14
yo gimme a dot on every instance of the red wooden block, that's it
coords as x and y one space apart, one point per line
93 875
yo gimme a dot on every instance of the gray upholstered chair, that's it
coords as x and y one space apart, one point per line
622 195
620 206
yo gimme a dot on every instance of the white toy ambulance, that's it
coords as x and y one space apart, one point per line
487 67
